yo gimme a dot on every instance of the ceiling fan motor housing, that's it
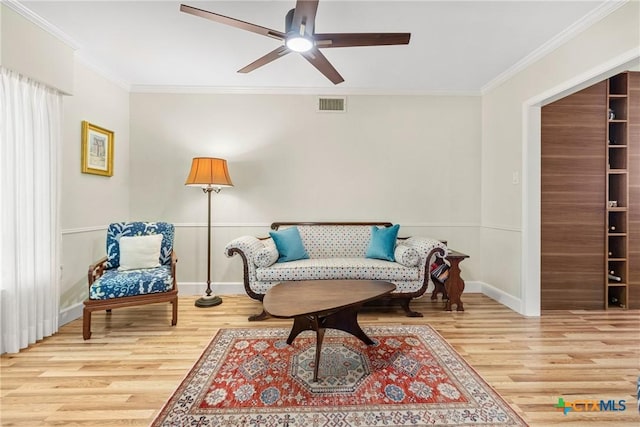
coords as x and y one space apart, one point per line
288 21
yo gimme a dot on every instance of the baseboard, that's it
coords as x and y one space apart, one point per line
70 314
501 296
218 288
237 288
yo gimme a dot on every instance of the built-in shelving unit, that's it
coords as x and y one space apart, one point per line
617 193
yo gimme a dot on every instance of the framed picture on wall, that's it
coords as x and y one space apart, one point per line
97 150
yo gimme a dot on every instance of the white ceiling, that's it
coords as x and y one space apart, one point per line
456 46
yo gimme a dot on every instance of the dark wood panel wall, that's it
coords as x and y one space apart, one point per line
634 190
572 200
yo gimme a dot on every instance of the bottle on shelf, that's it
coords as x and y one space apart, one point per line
613 277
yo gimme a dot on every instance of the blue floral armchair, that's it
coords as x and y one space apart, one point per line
112 285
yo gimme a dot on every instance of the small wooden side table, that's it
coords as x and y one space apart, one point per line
454 286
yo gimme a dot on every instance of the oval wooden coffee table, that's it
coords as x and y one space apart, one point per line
316 305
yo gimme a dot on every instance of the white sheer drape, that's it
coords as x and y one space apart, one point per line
30 133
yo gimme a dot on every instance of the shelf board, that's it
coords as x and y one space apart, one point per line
617 259
617 171
618 209
617 95
616 285
617 145
616 234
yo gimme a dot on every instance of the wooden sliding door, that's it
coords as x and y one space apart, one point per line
573 200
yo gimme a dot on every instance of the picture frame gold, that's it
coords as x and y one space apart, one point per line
97 150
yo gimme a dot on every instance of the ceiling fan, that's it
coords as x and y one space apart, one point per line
300 36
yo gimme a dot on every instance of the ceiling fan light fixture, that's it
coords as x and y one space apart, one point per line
299 44
299 36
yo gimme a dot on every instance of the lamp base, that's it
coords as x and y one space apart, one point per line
208 301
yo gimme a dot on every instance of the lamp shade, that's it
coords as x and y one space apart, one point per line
209 172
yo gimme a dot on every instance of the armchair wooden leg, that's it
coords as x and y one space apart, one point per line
174 308
86 323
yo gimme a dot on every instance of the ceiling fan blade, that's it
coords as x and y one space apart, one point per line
360 39
305 13
232 22
318 60
269 57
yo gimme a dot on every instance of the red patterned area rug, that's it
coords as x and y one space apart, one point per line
410 376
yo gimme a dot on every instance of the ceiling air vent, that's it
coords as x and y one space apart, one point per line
333 104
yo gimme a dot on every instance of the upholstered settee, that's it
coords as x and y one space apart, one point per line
337 251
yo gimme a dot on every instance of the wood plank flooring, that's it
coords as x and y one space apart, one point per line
124 374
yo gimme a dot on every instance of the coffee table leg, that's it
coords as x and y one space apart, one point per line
343 320
309 323
347 321
319 339
301 324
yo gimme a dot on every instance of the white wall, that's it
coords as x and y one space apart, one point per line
506 131
413 160
90 202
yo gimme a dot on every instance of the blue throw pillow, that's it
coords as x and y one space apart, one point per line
289 244
383 242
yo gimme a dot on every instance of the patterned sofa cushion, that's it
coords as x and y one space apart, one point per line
115 284
338 268
335 241
407 256
268 255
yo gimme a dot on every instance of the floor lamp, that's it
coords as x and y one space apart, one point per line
211 175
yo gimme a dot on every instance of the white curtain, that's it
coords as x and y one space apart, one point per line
30 134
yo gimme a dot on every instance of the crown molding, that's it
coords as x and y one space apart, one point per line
42 23
332 91
567 34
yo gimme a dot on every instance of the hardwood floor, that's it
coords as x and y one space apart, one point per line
124 374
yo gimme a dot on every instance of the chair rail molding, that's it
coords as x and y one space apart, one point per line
83 229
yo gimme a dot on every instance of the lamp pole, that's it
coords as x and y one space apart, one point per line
208 300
